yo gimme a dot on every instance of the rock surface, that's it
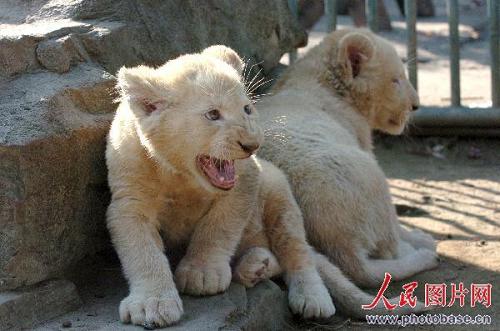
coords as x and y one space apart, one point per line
52 173
22 309
57 61
56 66
263 307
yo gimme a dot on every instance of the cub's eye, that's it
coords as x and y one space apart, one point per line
213 115
247 109
396 81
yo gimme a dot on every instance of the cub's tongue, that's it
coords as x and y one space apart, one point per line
220 172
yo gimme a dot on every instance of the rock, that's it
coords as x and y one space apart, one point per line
19 42
53 191
17 55
266 309
58 55
57 61
116 33
263 307
67 324
22 309
52 171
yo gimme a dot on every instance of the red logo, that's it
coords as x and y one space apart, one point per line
435 295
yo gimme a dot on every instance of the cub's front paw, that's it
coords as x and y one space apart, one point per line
308 297
202 278
151 310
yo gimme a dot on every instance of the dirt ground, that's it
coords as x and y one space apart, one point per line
448 187
455 196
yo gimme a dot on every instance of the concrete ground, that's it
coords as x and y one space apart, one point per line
101 287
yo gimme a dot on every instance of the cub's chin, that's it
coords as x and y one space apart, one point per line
395 125
394 129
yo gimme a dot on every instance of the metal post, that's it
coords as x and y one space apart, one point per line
411 42
455 131
456 121
494 23
293 4
457 117
331 15
372 14
452 8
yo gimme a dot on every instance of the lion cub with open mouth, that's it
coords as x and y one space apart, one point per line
180 159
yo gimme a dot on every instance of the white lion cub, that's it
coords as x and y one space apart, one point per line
182 175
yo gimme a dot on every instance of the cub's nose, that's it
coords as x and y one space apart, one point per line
414 107
249 148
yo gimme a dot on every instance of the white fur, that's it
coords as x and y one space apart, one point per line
159 130
318 122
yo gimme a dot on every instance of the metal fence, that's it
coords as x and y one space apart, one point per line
454 119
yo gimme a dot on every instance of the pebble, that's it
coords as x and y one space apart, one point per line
474 153
149 326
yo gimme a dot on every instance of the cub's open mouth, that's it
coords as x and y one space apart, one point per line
219 172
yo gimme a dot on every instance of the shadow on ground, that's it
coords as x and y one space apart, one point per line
450 188
445 186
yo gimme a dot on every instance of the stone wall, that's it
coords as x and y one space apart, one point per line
57 60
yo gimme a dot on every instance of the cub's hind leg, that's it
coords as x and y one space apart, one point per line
283 224
256 264
417 260
417 238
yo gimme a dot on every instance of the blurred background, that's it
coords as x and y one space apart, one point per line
432 41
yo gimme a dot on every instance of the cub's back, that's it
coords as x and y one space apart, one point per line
297 124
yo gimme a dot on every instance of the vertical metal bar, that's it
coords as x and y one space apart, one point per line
331 15
372 14
411 41
494 22
452 8
293 4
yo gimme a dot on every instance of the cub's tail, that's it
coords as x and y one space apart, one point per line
349 298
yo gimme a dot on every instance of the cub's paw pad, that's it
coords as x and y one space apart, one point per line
203 278
250 273
151 311
311 306
311 301
257 264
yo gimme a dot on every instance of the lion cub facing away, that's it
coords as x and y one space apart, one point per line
318 124
180 163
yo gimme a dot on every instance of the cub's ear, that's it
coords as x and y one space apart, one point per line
227 55
354 51
143 86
